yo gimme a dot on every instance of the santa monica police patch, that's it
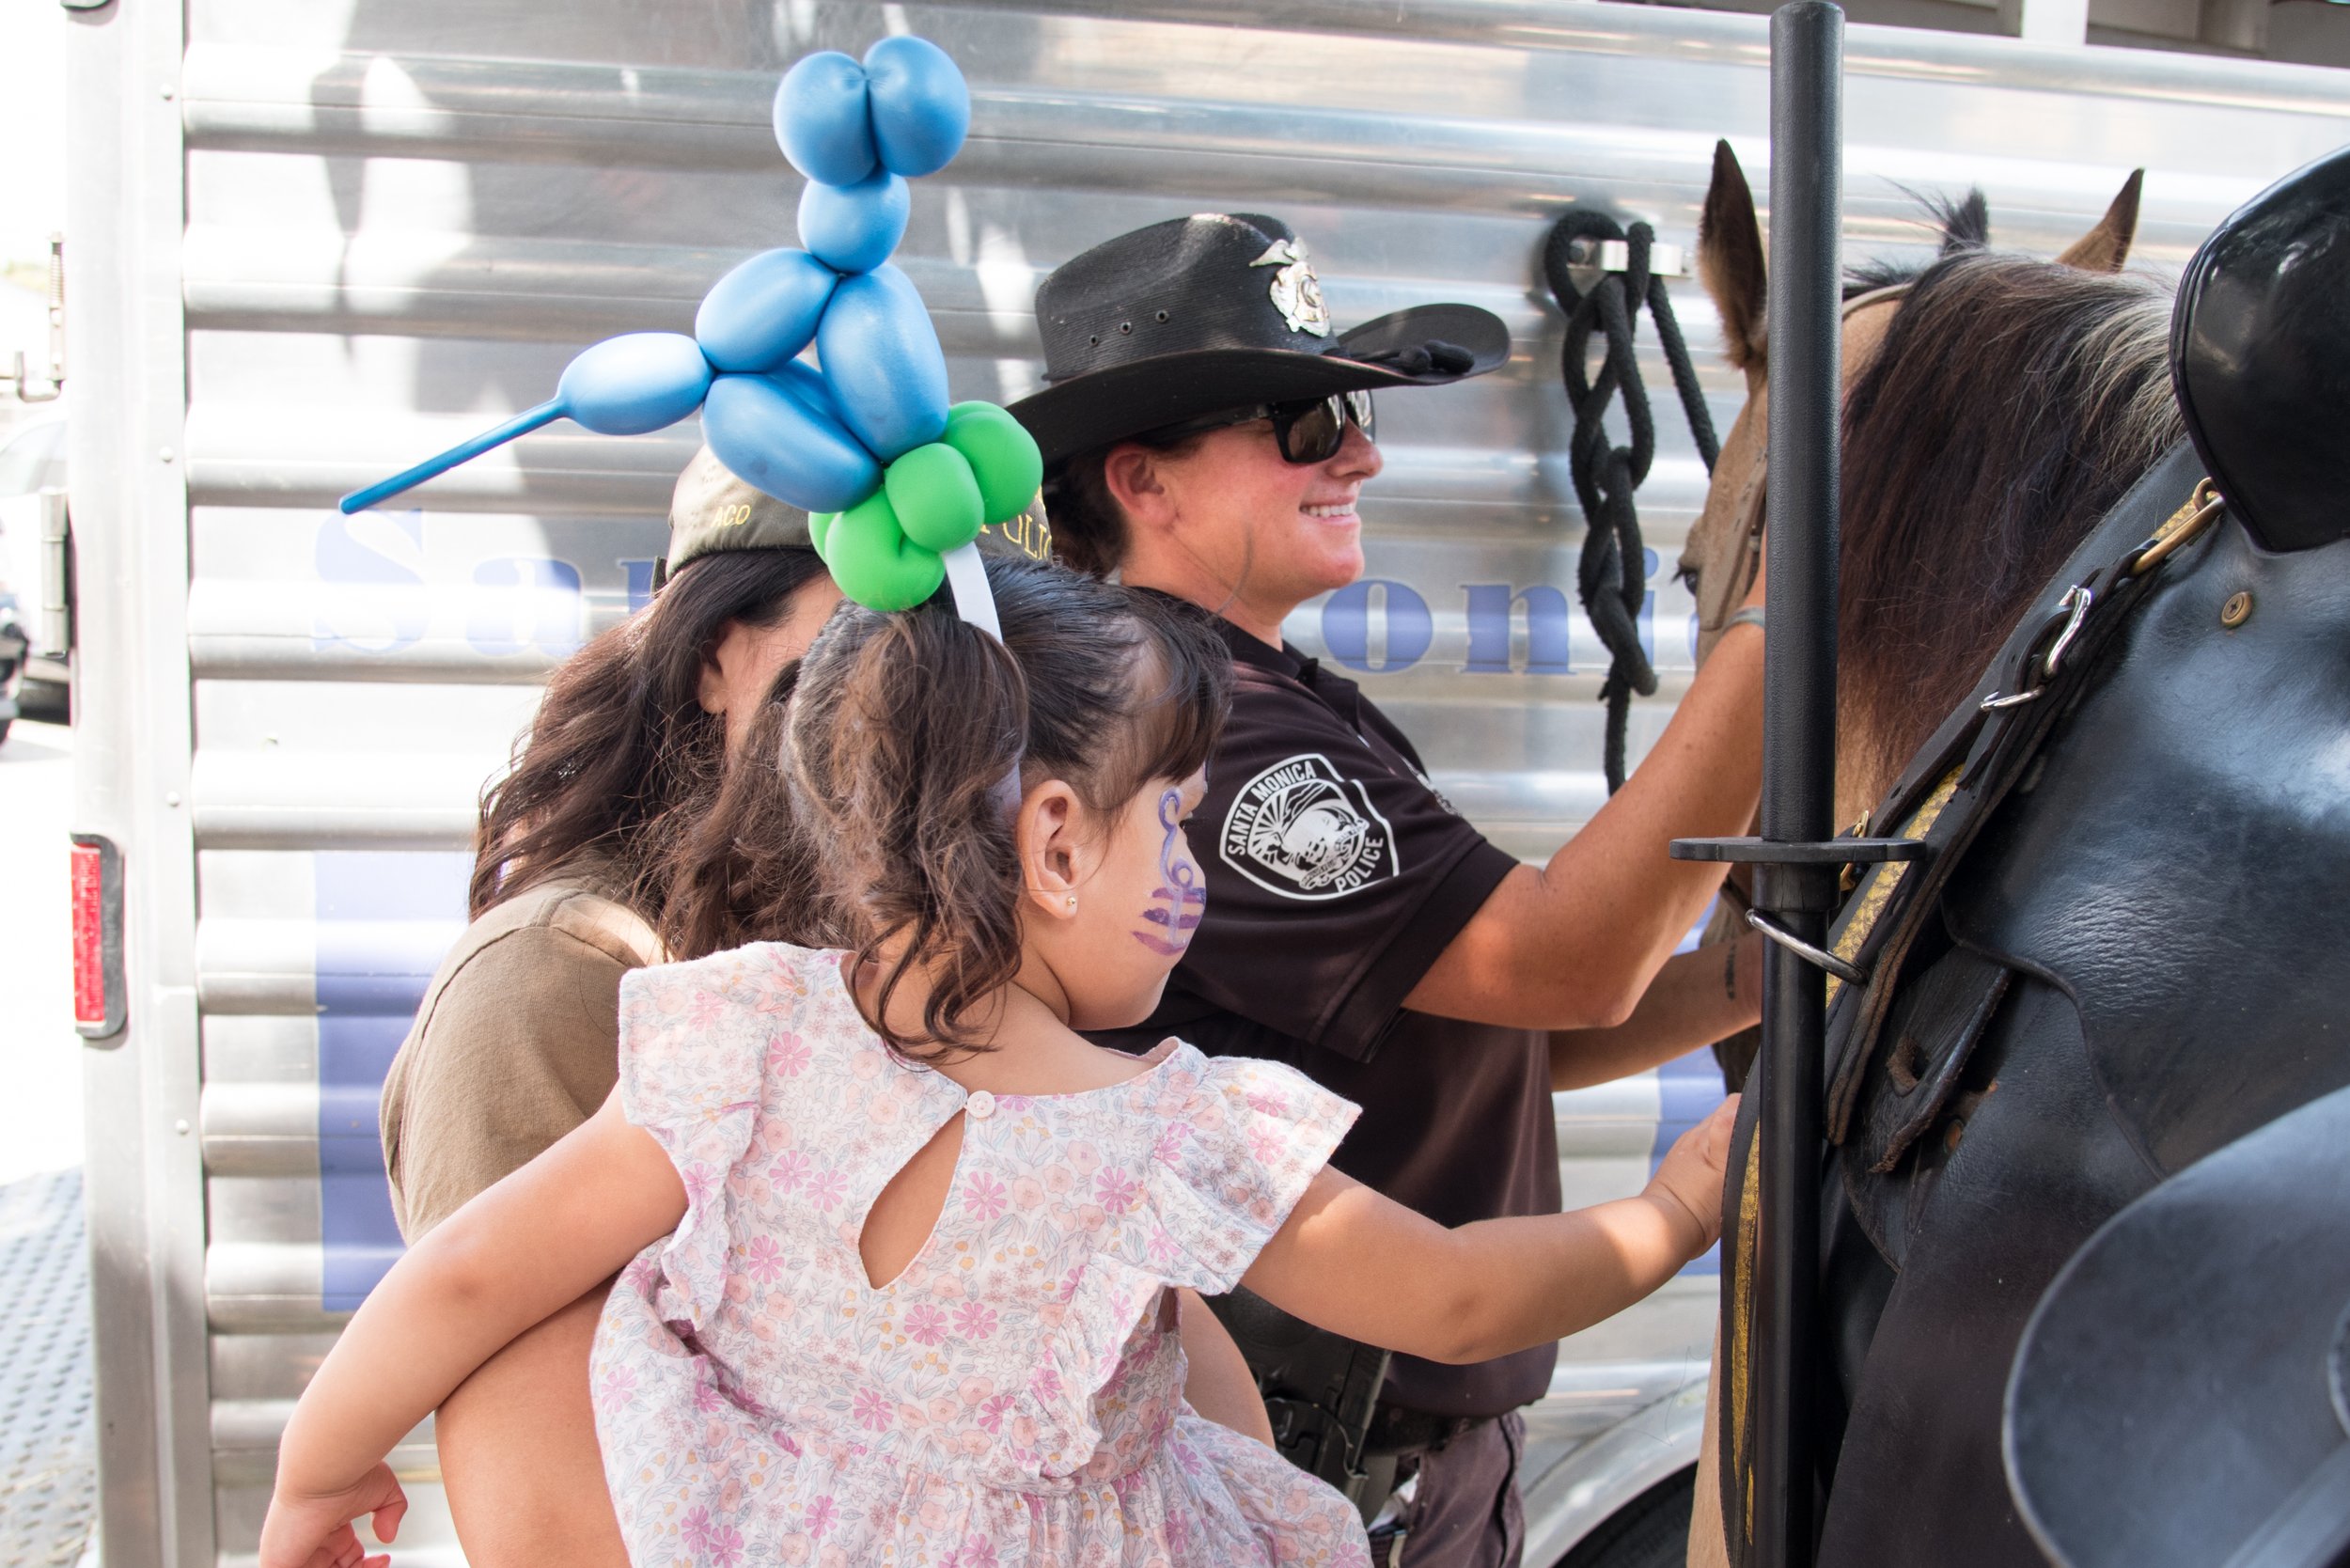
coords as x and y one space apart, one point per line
1300 830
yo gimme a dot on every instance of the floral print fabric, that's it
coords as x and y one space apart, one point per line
1014 1397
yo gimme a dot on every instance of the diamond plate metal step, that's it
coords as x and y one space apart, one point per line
48 1444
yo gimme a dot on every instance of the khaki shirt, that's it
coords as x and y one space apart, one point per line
517 1044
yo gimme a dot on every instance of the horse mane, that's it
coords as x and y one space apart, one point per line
1964 223
2013 403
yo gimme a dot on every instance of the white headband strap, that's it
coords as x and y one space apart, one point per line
974 602
966 575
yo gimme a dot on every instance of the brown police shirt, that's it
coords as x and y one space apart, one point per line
1336 874
517 1042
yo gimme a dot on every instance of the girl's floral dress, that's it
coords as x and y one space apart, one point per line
1016 1396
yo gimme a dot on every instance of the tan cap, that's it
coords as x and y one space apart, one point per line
713 511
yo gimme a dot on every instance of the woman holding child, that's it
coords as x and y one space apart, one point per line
517 1040
1206 435
639 822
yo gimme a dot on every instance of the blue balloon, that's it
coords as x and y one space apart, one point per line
921 109
806 382
883 362
765 311
635 382
852 229
822 121
763 431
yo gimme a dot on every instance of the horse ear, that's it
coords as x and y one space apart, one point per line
1732 261
1966 226
2104 248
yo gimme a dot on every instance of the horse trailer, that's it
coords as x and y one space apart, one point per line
311 242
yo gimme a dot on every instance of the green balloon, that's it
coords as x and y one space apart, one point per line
1003 457
819 524
874 562
935 496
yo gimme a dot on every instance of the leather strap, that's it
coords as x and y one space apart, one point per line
1990 750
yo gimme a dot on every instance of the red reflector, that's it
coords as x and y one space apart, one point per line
89 951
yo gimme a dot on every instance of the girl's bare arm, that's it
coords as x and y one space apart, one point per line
522 1250
1354 1262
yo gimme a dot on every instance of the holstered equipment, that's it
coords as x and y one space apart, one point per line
1320 1390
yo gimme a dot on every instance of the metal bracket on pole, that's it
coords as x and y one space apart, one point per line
1590 258
1828 852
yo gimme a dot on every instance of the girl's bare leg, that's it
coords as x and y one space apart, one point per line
518 1457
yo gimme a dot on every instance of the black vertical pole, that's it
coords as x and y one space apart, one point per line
1798 751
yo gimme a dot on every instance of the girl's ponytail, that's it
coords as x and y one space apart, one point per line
901 739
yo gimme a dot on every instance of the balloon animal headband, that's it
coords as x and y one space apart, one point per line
897 484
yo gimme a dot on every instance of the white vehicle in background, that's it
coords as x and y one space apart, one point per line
35 570
12 644
316 242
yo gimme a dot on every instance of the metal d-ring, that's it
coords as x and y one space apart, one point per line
2076 600
1851 974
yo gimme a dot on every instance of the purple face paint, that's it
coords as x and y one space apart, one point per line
1178 901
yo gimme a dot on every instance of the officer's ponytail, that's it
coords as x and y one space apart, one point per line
906 731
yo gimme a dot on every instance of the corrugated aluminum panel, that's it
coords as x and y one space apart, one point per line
403 218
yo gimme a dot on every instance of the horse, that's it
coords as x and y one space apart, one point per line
2060 363
2078 993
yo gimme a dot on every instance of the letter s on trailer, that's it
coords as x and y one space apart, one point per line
312 243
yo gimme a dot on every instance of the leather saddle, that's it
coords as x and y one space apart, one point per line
2122 952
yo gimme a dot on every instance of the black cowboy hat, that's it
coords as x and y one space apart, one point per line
1220 310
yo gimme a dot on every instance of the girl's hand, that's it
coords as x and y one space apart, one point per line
1692 1175
315 1531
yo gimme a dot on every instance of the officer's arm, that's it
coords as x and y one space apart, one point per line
1696 999
1574 944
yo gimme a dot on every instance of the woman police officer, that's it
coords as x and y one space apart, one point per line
1206 435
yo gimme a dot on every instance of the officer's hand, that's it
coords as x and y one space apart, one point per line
1692 1173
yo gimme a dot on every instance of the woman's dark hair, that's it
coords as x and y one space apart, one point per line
740 873
904 734
1089 531
620 759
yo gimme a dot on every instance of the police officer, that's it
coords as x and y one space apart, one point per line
1207 434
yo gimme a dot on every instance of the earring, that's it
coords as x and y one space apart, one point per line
1073 901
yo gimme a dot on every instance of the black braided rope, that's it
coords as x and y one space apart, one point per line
1611 587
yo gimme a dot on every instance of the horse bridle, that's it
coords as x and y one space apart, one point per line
1754 485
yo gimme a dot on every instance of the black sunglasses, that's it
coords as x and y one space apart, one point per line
1308 430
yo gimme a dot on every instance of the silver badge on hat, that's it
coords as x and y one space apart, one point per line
1296 292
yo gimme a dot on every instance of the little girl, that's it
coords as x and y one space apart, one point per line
903 1242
